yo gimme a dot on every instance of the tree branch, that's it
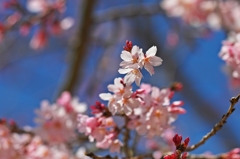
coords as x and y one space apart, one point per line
218 126
92 155
126 138
205 157
127 11
80 44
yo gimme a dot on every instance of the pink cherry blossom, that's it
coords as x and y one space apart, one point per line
149 60
230 53
133 75
122 100
55 124
131 59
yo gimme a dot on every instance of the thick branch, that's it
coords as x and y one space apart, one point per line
218 126
79 45
127 11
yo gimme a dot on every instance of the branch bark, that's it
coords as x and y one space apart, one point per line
218 126
127 11
80 44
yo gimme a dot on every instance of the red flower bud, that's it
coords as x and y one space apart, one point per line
177 139
186 141
128 46
184 156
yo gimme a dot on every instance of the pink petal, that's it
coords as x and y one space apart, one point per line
149 68
155 61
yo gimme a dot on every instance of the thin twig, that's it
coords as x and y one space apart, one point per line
127 11
92 155
218 126
126 138
221 156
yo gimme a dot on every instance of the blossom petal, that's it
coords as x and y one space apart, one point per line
152 51
155 61
124 71
106 96
149 68
129 79
126 56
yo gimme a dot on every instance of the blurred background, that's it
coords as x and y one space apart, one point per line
85 58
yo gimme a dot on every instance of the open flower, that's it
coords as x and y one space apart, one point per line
149 60
132 74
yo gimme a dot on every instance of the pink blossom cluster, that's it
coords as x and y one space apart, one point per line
100 128
24 145
215 14
57 122
44 13
134 59
230 53
148 106
154 109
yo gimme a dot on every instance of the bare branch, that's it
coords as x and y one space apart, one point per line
218 126
92 155
127 11
79 45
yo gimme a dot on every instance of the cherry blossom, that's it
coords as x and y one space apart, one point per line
54 123
150 60
134 60
155 109
121 100
230 53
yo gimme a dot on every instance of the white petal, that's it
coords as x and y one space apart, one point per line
117 82
155 61
125 64
135 50
152 51
106 96
126 56
129 79
112 88
124 71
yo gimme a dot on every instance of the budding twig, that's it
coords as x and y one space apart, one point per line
218 126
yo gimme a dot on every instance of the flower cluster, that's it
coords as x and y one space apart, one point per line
57 122
21 144
215 14
230 53
101 128
134 59
44 13
155 109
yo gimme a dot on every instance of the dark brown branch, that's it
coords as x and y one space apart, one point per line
218 126
80 44
127 11
126 138
92 155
